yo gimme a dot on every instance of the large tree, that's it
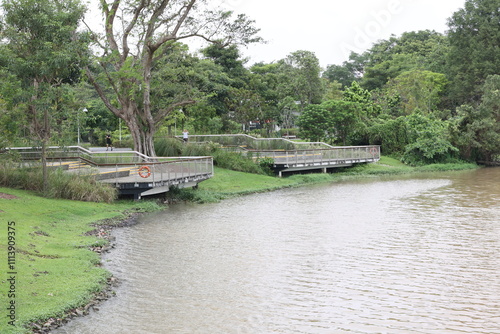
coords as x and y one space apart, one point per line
239 100
475 39
424 50
301 78
137 34
345 118
417 90
316 124
350 70
477 128
42 51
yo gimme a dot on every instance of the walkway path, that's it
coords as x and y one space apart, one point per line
292 156
132 173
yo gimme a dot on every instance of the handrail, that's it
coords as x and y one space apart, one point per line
96 155
256 140
151 162
320 149
132 173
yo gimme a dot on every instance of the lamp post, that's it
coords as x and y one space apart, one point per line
78 118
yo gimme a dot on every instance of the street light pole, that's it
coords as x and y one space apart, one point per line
78 118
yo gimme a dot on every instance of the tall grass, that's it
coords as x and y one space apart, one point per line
60 184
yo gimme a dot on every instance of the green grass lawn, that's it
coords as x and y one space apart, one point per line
55 270
232 182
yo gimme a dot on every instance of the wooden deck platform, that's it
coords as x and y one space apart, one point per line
131 173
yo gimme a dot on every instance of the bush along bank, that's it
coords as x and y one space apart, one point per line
53 250
60 184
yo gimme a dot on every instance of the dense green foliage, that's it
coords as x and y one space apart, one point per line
39 59
477 128
433 96
474 54
423 96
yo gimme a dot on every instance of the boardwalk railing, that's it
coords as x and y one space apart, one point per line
289 156
61 154
162 171
340 155
131 172
252 143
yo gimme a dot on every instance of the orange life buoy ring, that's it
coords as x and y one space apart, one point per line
373 151
144 172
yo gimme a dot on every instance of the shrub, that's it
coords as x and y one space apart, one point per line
235 161
170 147
266 164
60 184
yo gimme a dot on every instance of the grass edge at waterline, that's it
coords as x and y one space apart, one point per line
227 183
56 269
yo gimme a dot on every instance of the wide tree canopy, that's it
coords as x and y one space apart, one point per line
138 34
474 37
41 53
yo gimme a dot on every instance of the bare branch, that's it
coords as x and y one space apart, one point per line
131 25
173 35
101 93
109 22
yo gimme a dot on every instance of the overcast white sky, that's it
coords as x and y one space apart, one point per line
333 28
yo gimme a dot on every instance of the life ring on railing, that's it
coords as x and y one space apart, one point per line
144 171
373 151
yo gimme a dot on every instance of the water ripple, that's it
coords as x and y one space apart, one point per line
398 256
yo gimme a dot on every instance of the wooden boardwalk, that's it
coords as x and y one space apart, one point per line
321 159
131 173
291 156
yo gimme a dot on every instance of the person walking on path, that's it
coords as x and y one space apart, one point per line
109 144
185 134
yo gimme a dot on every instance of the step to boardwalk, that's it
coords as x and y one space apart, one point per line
69 165
77 165
116 173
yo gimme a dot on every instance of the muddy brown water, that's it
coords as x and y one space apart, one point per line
415 254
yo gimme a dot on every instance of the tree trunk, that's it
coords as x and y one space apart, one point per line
143 140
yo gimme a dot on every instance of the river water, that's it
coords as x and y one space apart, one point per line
415 254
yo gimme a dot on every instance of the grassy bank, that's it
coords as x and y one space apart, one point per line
227 183
55 269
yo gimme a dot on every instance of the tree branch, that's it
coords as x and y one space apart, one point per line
101 93
164 113
109 22
131 25
173 35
